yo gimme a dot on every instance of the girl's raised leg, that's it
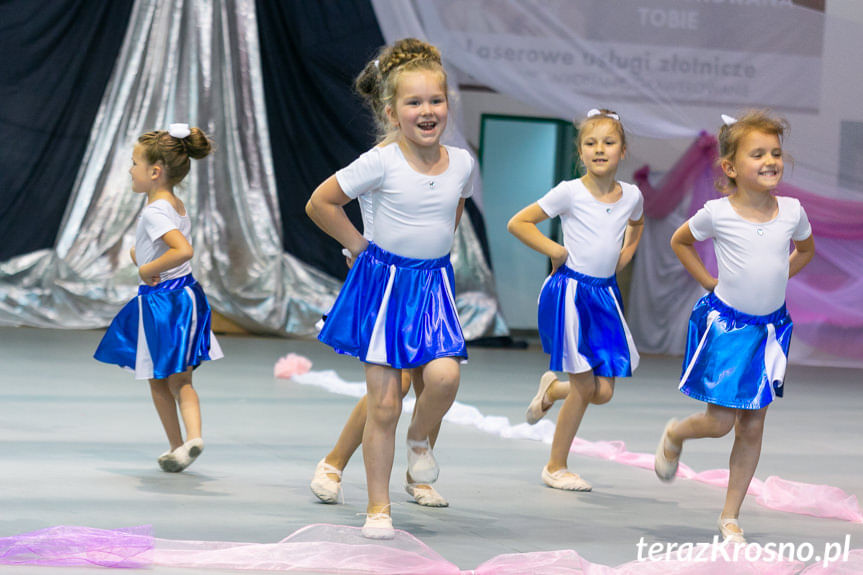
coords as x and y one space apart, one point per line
441 381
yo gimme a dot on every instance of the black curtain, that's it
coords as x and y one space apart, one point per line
57 58
310 53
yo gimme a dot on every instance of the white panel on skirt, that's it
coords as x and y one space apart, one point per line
711 317
572 361
774 360
143 360
377 352
634 358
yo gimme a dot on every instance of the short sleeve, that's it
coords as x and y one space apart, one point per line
159 218
803 229
638 208
701 224
557 201
363 175
467 190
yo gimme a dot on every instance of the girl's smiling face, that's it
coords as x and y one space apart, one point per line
757 165
420 107
601 148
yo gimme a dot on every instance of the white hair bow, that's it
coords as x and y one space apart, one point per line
728 120
179 130
597 112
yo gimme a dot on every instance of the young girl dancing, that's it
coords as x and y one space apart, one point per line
581 322
326 482
396 309
164 333
739 333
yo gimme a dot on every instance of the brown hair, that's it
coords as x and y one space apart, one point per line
731 135
604 115
175 153
378 82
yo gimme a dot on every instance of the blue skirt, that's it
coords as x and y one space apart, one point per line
165 330
735 359
396 311
581 325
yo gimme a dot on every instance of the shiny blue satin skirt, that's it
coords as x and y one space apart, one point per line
735 359
164 330
581 325
396 311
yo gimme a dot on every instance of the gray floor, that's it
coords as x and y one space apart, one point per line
80 439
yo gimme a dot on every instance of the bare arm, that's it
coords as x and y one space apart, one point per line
804 251
132 255
326 209
523 226
179 252
683 244
631 237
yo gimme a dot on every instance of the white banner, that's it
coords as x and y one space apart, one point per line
566 54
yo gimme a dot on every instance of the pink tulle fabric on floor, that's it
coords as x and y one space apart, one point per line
72 546
314 548
852 565
291 365
338 549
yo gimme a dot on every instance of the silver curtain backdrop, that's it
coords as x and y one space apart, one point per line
196 61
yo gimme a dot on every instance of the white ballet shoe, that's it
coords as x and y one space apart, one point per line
422 466
193 448
168 463
565 480
378 526
664 467
535 411
426 495
323 486
174 461
731 535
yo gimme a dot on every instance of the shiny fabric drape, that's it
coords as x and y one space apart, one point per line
191 61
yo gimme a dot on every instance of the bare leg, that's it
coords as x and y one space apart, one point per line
419 387
416 376
352 433
584 388
384 405
557 391
716 421
186 397
748 433
166 407
350 438
441 379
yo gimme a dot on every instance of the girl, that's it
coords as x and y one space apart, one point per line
739 332
164 333
580 309
326 482
396 309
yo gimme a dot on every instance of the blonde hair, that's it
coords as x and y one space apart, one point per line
378 82
730 136
175 153
604 115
